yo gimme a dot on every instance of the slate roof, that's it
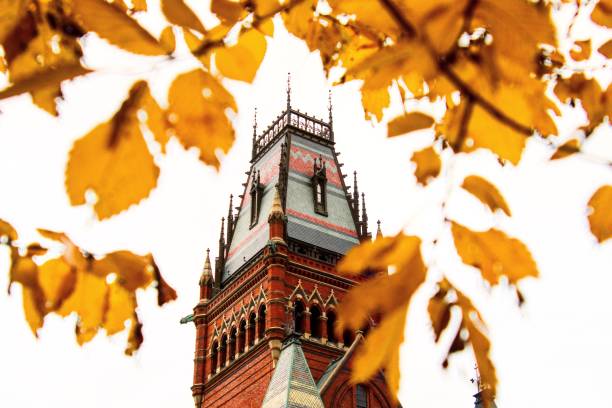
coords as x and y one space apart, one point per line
336 231
292 385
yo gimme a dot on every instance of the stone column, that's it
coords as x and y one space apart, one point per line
307 323
323 323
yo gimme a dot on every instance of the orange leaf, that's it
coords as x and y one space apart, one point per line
428 164
57 281
566 149
494 253
584 51
486 192
606 49
121 305
178 13
242 60
600 218
408 123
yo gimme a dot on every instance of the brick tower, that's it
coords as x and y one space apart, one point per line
265 320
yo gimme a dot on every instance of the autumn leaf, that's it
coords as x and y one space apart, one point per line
57 280
374 101
72 253
600 217
439 312
408 123
120 308
167 39
606 49
34 308
596 102
165 292
7 230
602 13
229 12
135 337
581 50
113 161
486 192
566 149
385 295
111 23
494 253
428 164
178 13
197 105
241 61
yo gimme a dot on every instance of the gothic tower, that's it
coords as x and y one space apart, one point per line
265 321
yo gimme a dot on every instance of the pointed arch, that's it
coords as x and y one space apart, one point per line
316 298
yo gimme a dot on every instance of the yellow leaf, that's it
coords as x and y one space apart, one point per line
139 5
34 308
486 192
408 123
266 27
167 39
374 101
72 253
606 49
197 104
157 120
133 271
600 218
494 253
11 12
596 103
583 50
88 302
57 280
566 149
229 12
381 350
178 13
111 23
385 295
113 160
480 343
266 7
602 13
23 270
121 305
135 337
369 14
242 60
428 164
7 230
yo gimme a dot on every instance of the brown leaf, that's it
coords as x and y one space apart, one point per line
494 253
596 103
602 13
229 12
439 313
241 61
600 217
385 295
7 230
113 160
178 13
486 192
133 271
165 292
428 164
34 307
606 49
566 149
408 123
583 52
110 22
135 338
11 13
197 105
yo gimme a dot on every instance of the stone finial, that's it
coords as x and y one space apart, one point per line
276 212
207 271
378 230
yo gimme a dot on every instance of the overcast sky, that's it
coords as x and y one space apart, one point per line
554 351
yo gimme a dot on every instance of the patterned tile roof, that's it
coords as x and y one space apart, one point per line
292 385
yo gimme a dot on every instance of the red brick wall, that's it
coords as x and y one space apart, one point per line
243 384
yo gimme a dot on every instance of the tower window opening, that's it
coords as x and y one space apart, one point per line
319 183
252 323
232 344
315 322
331 322
262 322
256 194
214 357
223 351
242 337
362 396
298 315
347 338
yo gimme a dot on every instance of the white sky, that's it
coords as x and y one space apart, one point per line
552 352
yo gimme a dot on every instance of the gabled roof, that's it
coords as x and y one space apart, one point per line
292 385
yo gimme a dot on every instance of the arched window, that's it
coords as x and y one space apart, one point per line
331 323
262 322
319 182
315 322
256 194
242 337
214 357
223 350
232 344
361 396
347 338
298 316
252 324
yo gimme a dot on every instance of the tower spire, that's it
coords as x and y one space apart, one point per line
207 271
329 108
254 132
355 195
288 91
222 241
230 219
364 216
378 230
